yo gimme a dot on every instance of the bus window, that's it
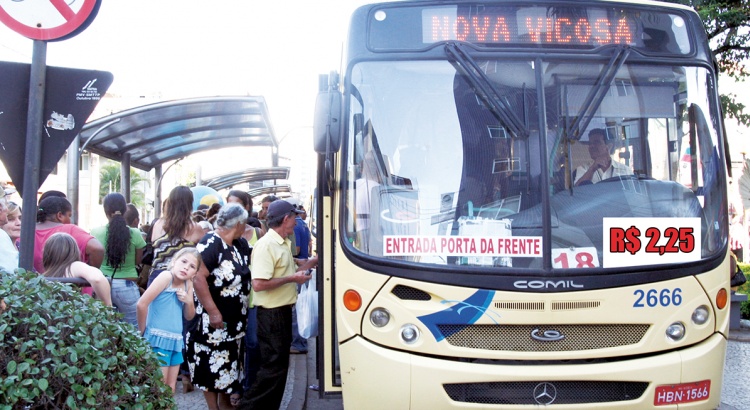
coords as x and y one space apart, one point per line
642 137
444 138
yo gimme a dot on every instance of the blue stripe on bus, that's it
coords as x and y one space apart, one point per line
464 313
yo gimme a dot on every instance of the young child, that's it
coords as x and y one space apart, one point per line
162 306
61 259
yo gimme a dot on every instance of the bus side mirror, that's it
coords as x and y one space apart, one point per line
327 122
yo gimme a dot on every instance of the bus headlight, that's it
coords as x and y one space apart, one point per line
409 333
379 317
676 331
700 315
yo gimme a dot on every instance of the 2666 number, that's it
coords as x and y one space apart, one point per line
653 297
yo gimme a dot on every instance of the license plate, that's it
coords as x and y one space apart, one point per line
682 393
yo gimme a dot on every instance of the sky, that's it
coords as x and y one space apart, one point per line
173 49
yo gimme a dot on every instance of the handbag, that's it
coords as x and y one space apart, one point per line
739 278
148 254
307 310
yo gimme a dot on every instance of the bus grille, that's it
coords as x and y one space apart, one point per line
518 338
409 293
545 393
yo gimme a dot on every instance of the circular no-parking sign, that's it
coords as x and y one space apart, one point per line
48 19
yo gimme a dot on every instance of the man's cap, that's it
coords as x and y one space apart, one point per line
280 208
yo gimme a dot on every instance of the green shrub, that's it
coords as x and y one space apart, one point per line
62 349
745 288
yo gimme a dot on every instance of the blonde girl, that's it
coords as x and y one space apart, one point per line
61 259
162 306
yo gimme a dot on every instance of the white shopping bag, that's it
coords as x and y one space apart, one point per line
307 309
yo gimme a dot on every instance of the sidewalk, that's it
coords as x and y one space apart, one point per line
294 394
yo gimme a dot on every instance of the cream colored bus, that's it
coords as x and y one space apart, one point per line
521 205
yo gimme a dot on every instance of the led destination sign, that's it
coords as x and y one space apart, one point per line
555 26
534 28
560 26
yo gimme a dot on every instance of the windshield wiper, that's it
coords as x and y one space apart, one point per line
598 92
483 86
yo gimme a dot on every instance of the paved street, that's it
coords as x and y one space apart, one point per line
735 394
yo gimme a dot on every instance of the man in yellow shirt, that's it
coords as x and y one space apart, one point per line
275 275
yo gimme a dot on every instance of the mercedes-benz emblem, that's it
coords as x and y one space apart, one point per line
545 393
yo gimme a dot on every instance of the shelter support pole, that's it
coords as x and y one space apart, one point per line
157 191
34 128
74 161
125 176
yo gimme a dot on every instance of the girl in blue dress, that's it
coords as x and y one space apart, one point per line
161 308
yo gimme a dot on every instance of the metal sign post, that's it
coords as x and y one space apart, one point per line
34 125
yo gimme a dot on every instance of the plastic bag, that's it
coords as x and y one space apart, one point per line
307 310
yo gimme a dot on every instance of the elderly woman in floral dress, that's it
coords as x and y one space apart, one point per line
214 348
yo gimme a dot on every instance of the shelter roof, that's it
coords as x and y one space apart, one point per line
283 190
165 131
229 180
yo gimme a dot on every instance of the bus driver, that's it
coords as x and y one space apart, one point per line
603 167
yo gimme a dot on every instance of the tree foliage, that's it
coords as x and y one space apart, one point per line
109 181
727 24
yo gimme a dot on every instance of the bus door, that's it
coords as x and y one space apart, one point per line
325 134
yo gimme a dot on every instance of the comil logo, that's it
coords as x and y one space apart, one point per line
547 284
547 335
89 92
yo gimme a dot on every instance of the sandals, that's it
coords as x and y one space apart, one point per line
187 386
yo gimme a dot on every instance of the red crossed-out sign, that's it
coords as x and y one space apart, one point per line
47 19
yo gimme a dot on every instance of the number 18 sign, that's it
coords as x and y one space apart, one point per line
650 241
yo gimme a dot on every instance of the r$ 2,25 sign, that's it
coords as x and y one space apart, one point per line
650 241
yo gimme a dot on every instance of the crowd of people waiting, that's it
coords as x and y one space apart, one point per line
211 289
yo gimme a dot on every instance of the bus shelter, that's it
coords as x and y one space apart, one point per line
280 190
248 176
148 136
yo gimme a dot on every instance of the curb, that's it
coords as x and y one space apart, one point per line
313 399
298 366
739 335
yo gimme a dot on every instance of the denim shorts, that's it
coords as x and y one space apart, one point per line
125 295
168 357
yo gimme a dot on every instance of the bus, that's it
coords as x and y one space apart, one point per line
522 204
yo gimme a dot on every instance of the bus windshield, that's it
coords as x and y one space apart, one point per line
478 161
